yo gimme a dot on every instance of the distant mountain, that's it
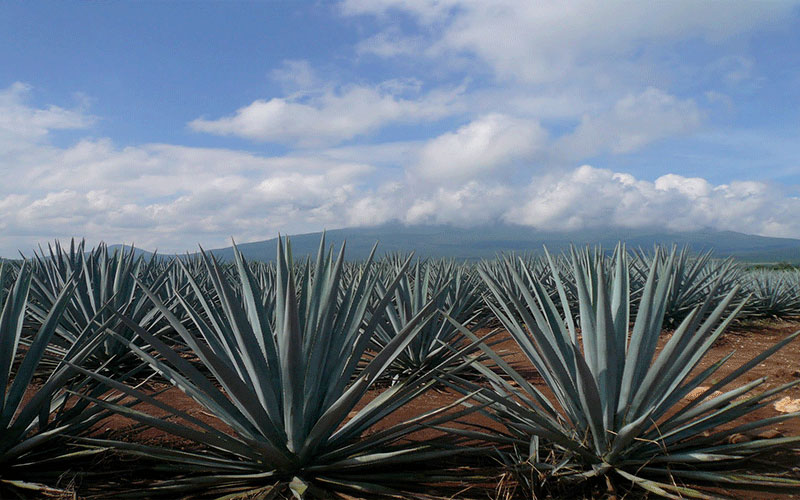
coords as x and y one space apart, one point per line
487 241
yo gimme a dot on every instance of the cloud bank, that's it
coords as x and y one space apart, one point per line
171 197
331 117
556 115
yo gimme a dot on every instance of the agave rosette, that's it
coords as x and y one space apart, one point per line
619 405
290 388
35 419
773 294
453 292
691 278
102 283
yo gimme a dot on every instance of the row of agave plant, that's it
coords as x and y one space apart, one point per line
771 294
303 366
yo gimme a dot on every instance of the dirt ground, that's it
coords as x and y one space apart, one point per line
746 340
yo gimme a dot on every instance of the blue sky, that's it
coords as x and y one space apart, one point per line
169 124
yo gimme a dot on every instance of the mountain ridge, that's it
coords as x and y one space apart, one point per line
441 241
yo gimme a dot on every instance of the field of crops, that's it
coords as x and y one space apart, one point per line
592 373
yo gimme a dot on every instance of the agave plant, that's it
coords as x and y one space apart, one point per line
102 283
289 387
691 279
501 267
453 292
618 407
33 419
773 294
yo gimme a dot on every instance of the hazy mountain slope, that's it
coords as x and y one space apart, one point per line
485 242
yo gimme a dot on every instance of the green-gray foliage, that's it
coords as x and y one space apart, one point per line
288 386
102 283
35 419
773 294
694 279
452 290
618 405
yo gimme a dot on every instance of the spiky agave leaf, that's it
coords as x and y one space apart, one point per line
691 278
33 421
102 283
7 272
618 405
437 344
773 294
287 386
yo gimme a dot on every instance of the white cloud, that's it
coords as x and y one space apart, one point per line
377 207
158 195
480 148
552 40
387 154
181 197
592 197
467 205
607 77
331 117
633 122
21 124
172 197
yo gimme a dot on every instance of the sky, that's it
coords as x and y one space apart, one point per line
170 124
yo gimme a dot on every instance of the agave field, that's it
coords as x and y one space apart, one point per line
638 373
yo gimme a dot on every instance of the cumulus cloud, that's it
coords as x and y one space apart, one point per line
480 148
592 197
171 197
548 41
157 195
21 124
332 117
467 205
633 122
181 198
602 78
